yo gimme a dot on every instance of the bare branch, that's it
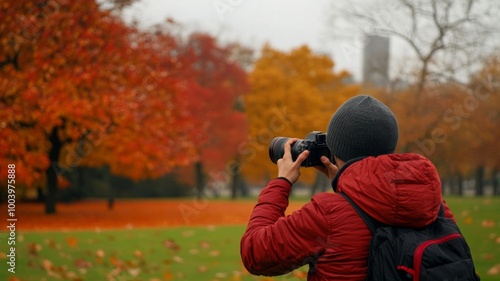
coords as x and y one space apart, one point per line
413 12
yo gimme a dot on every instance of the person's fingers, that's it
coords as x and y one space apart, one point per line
325 160
328 164
288 148
332 168
301 157
329 169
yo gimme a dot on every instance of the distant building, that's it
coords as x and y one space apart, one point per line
376 61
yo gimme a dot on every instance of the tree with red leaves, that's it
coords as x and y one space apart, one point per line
78 86
214 93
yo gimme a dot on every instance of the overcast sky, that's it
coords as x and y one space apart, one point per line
285 24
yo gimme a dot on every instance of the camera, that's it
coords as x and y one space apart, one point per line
315 142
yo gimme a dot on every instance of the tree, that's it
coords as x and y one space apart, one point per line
485 87
292 93
155 137
446 38
215 84
75 80
447 41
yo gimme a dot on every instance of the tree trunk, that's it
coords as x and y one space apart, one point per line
443 185
40 195
51 173
111 190
452 184
494 181
200 179
243 187
460 184
80 188
235 176
480 181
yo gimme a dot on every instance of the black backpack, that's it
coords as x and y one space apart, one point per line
435 252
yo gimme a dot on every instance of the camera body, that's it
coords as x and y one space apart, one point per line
314 142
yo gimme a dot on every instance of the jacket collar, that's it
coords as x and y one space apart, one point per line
347 164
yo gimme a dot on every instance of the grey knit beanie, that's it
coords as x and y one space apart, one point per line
362 126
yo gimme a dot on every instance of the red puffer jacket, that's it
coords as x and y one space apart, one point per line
327 233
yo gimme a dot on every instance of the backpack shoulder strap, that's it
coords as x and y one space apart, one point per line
370 222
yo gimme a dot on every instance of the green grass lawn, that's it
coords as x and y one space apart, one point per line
186 253
194 253
479 221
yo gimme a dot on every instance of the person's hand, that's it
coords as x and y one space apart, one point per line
329 169
287 168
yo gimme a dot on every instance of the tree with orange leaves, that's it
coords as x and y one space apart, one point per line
292 93
446 41
457 128
484 122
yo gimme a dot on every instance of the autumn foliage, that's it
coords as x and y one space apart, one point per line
214 98
81 87
292 93
454 124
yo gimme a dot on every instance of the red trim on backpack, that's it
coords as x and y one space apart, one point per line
406 269
419 252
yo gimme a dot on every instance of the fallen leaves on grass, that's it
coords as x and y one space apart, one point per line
82 264
61 272
51 243
468 220
236 276
132 214
47 265
202 268
214 253
495 270
115 261
167 276
33 249
204 244
299 274
72 241
138 254
171 244
221 275
134 271
488 223
488 256
178 259
114 273
99 256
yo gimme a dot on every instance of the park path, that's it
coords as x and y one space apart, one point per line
95 214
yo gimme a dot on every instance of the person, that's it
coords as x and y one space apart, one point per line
326 233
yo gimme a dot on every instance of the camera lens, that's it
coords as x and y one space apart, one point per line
277 148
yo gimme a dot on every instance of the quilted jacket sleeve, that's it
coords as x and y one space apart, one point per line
275 244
